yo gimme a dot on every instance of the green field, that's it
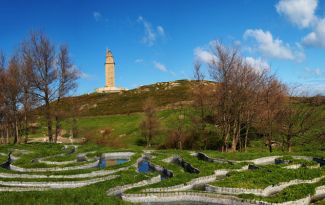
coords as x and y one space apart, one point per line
97 193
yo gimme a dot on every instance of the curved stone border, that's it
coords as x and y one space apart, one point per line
43 159
57 185
189 185
120 189
201 197
261 192
75 176
22 189
117 155
262 160
53 169
297 166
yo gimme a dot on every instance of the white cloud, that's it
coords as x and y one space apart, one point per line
298 12
97 16
258 64
139 60
317 36
161 30
204 56
313 72
160 66
312 88
150 34
274 48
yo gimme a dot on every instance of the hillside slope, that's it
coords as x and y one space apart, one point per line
165 94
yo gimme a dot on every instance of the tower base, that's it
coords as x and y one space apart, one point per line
110 90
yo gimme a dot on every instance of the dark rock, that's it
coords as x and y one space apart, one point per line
6 164
73 150
253 167
319 160
282 161
35 160
186 166
204 157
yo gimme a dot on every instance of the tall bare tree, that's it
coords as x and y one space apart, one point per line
52 76
12 91
150 125
297 119
67 76
44 73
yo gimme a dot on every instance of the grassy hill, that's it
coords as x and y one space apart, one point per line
121 114
165 94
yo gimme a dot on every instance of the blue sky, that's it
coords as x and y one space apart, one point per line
159 40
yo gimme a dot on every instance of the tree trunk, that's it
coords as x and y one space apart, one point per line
16 133
26 127
57 128
246 139
48 117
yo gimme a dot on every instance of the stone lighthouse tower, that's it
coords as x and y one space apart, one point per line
109 75
109 69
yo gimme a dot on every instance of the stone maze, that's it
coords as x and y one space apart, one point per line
164 176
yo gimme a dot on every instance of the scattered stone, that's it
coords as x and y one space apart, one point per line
186 166
282 161
319 160
6 164
253 167
82 157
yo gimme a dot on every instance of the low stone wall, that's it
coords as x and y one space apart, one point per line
263 160
22 189
53 169
120 189
260 192
74 176
57 185
117 155
201 197
293 166
190 184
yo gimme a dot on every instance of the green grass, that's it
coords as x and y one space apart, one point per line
266 176
96 194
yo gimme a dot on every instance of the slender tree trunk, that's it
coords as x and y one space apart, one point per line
57 128
289 143
7 129
49 120
16 132
246 138
26 127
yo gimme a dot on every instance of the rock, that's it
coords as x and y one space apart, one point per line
282 161
81 158
6 164
35 160
186 166
319 160
253 167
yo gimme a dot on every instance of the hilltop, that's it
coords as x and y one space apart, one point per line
166 95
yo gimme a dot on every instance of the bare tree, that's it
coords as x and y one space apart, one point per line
150 125
201 94
52 77
297 119
12 92
273 98
67 76
44 73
